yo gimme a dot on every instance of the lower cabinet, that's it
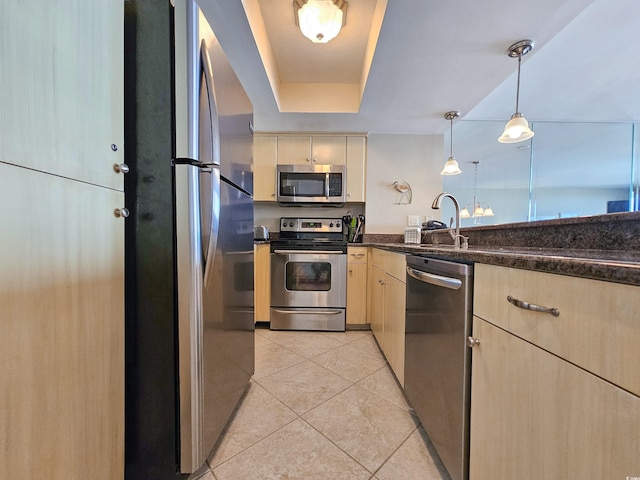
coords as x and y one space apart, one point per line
357 266
262 283
387 288
62 317
535 415
554 390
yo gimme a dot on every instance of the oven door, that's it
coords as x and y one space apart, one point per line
308 290
308 279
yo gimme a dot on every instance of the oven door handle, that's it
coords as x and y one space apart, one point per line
439 280
302 310
307 252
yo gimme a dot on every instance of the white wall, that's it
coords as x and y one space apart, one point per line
416 159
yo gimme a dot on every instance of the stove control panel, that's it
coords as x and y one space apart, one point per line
294 224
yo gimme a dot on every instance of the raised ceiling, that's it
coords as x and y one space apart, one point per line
433 56
311 77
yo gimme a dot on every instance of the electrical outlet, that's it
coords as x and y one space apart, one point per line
413 220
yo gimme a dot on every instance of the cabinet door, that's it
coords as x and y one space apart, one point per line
262 283
356 172
357 293
394 319
62 324
294 150
62 102
534 415
265 155
327 150
597 329
377 284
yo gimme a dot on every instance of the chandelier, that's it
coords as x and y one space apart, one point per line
476 207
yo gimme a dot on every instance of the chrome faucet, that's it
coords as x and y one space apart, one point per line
456 236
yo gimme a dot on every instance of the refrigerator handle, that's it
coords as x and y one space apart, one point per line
209 257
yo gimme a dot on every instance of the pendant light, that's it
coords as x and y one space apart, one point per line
517 129
320 20
476 206
451 166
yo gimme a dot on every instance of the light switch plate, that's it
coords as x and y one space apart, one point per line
413 220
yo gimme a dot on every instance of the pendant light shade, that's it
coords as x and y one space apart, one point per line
451 165
320 20
517 128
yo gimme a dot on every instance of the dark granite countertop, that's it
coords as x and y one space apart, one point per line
607 265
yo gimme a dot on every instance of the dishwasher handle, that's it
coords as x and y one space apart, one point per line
433 279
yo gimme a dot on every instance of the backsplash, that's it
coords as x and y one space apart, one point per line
617 231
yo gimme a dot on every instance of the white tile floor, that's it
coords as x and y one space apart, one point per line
323 405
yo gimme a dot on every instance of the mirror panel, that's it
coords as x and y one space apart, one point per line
565 170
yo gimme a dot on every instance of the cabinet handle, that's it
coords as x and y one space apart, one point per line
121 168
381 282
530 306
357 255
121 212
351 270
472 342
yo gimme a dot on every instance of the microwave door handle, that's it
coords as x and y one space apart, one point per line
326 186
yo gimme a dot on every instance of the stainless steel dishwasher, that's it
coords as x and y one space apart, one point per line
437 359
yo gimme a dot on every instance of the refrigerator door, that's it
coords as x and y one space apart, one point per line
231 117
228 326
214 243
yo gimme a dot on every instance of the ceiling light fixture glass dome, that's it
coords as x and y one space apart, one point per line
320 20
517 128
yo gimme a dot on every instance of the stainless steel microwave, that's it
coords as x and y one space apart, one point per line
311 184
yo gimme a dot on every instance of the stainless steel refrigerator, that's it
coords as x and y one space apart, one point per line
214 236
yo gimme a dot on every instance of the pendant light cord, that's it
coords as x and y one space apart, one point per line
518 85
475 188
451 139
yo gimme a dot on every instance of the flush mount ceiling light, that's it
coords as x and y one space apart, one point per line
320 20
451 166
517 129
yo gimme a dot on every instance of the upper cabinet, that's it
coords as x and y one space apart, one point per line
356 168
270 150
265 158
320 150
74 115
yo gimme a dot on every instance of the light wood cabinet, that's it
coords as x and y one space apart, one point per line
62 323
387 288
61 247
357 269
321 150
545 395
598 328
356 168
262 283
534 415
394 320
270 150
265 158
63 101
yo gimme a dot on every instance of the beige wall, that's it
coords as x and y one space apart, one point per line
416 159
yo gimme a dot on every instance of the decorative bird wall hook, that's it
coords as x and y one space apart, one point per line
406 195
